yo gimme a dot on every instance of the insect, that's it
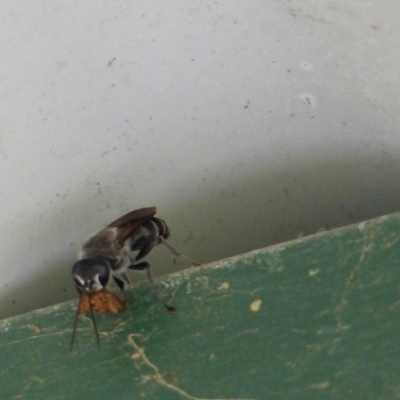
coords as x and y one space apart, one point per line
108 255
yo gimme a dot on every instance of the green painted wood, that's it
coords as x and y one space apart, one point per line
324 325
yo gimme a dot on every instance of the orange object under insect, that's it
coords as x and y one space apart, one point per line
102 301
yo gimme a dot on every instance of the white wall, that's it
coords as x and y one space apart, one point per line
245 122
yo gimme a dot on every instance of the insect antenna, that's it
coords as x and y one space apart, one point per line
94 320
75 324
154 285
77 318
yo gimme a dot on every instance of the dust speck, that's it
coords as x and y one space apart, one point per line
306 66
320 386
309 99
223 286
255 305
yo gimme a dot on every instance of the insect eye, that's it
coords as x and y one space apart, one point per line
103 274
91 274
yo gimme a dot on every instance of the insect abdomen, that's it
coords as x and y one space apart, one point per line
162 227
149 230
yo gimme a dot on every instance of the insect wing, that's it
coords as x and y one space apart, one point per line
128 223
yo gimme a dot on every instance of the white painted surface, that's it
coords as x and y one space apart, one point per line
245 122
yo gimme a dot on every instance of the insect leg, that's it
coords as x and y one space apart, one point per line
175 253
126 278
147 248
120 283
160 239
145 266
